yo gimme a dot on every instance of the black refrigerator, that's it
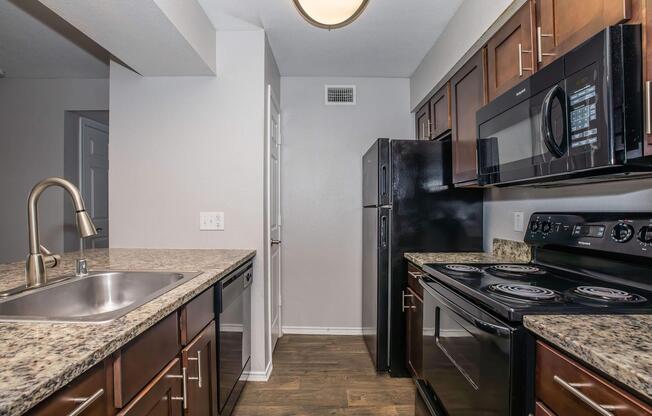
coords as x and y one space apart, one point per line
409 205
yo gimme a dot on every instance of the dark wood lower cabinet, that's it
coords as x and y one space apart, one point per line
89 390
163 396
414 331
199 358
566 388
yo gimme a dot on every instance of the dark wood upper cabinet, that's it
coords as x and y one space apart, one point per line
200 360
424 125
440 112
562 24
468 94
511 53
414 332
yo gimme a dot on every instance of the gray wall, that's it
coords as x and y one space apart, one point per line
322 194
32 113
181 145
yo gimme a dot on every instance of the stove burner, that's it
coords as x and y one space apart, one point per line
606 294
515 268
462 268
524 291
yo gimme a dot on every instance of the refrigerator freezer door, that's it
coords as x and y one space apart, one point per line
375 283
375 175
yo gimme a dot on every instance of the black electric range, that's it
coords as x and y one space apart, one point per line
478 357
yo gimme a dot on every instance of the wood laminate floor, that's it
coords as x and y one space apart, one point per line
326 375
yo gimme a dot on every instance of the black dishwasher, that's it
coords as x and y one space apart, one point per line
234 335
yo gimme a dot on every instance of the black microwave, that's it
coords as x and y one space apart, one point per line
577 119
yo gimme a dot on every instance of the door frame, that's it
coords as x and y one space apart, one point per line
83 120
272 100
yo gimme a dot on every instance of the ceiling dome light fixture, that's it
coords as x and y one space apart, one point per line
330 14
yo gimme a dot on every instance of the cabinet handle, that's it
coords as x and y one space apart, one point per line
648 108
198 359
415 275
572 388
521 51
85 402
540 53
184 385
403 305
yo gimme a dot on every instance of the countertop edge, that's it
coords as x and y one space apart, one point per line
43 391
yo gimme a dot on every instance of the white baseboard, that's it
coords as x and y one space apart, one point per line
322 330
260 375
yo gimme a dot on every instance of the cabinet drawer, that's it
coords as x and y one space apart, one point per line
568 389
163 396
197 314
87 393
139 361
414 274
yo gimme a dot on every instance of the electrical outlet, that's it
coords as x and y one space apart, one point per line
211 221
518 221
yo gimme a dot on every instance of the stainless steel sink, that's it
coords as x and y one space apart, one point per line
96 298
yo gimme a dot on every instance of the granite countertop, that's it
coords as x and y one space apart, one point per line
37 359
503 251
619 346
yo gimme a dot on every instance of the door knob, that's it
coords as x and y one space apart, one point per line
275 242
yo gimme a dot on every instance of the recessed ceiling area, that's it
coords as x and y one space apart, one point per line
36 43
389 39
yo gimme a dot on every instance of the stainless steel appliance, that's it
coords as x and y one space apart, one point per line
580 116
234 336
408 205
477 356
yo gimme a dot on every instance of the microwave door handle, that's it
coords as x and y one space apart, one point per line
546 121
494 329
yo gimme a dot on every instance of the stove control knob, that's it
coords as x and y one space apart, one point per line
645 234
534 226
622 233
546 226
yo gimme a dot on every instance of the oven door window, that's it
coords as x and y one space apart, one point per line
467 367
525 141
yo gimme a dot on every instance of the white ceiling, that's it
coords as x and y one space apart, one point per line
36 43
389 39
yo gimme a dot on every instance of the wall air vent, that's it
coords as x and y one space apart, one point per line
340 95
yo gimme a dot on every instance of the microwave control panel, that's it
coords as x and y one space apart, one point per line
624 233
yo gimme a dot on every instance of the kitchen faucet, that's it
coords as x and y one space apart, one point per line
40 257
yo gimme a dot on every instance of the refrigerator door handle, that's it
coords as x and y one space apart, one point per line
383 181
383 231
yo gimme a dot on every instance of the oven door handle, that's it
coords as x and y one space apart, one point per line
546 121
485 326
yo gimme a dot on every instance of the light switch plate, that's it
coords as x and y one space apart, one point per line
211 221
518 221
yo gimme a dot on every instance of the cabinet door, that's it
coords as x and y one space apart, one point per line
163 396
510 53
467 96
414 332
199 359
647 66
563 24
424 125
440 111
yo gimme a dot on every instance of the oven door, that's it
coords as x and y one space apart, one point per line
466 355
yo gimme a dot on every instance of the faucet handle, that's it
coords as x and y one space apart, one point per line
49 259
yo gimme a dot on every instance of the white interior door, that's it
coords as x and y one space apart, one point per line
94 177
274 219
